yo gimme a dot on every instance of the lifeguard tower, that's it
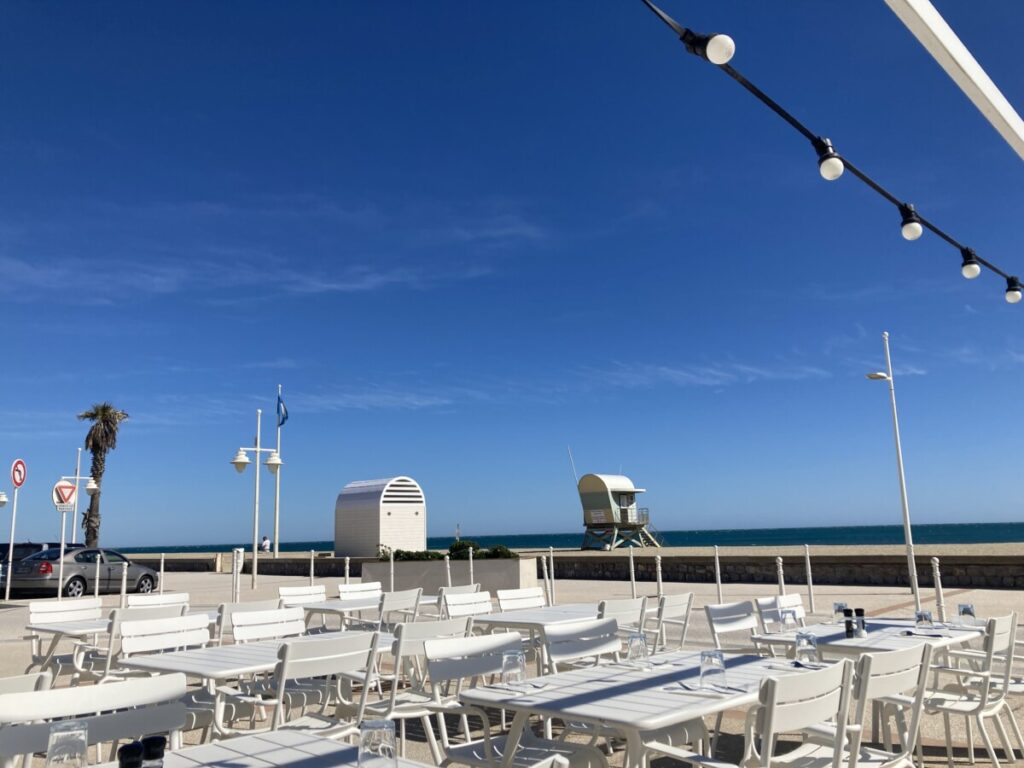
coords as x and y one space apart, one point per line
611 516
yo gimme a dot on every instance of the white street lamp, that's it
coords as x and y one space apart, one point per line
908 538
91 488
3 499
273 463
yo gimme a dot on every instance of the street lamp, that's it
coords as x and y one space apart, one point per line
273 463
886 375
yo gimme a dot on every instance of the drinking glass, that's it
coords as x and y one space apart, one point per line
965 611
377 744
636 650
788 620
513 668
923 620
68 745
837 612
712 669
806 648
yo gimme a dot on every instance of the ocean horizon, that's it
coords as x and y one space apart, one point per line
945 533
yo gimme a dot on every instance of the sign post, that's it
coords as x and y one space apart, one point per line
18 474
65 499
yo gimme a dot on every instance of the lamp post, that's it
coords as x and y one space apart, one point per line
91 488
273 463
3 503
907 536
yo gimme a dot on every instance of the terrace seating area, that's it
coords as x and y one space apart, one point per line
510 680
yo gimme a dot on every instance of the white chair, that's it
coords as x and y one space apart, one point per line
792 702
630 613
580 643
97 662
131 708
152 599
290 597
301 665
518 599
250 626
224 611
399 607
462 589
57 612
770 610
978 691
370 589
727 618
673 611
451 663
467 604
33 681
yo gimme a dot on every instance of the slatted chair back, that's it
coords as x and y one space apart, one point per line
725 618
292 596
408 646
399 607
791 703
1000 636
32 681
462 589
673 611
225 610
158 635
370 589
770 609
467 604
93 663
516 599
156 599
339 653
630 613
458 659
579 641
131 708
281 623
56 612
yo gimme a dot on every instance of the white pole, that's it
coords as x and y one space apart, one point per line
810 582
911 561
237 561
657 571
312 566
718 575
781 575
10 547
347 563
447 570
74 521
632 574
551 554
391 568
124 583
277 482
256 503
96 582
544 576
161 573
471 580
63 541
940 603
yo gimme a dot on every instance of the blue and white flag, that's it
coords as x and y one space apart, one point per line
282 412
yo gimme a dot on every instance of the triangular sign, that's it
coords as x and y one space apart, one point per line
65 492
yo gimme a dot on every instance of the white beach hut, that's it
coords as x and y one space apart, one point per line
611 516
370 514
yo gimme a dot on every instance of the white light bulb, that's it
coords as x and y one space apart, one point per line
1013 296
831 168
912 230
720 49
970 270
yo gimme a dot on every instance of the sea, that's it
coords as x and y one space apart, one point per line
966 533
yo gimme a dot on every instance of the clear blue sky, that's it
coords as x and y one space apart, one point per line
466 235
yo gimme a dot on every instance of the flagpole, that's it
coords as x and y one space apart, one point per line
277 483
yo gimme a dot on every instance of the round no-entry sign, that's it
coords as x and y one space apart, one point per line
18 473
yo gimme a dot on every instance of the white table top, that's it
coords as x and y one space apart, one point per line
89 627
335 605
532 618
277 749
621 696
883 635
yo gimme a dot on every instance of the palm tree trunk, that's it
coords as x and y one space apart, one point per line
91 521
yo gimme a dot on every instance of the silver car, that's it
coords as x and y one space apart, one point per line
40 572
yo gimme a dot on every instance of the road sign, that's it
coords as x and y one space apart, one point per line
63 496
18 473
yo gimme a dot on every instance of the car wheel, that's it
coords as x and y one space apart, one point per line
145 585
75 587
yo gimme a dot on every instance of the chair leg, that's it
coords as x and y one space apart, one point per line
1016 728
428 729
1004 738
970 739
988 742
401 743
714 736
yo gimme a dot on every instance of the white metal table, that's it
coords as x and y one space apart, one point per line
629 700
532 619
883 635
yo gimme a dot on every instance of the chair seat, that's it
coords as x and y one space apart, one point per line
408 704
528 754
321 725
951 701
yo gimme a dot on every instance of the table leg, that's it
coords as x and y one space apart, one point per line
635 756
515 735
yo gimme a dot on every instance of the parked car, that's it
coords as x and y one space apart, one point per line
23 549
40 572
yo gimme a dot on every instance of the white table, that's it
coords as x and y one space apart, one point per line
277 749
632 701
531 619
883 635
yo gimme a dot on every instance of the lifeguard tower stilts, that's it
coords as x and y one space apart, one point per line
611 516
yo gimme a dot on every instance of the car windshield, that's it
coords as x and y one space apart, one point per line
46 554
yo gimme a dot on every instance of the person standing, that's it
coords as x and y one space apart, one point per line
265 545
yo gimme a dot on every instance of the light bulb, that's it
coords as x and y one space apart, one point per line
1013 290
831 168
971 267
911 230
720 49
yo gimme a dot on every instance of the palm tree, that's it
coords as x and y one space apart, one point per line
101 437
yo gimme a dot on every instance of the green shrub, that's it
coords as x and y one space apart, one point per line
498 552
459 550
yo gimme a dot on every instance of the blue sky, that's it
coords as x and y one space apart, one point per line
466 235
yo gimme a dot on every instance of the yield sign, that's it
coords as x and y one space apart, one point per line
63 494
